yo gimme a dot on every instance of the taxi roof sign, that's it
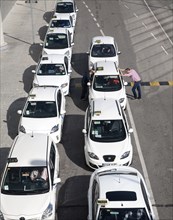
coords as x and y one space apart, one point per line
102 202
32 96
12 160
97 113
98 41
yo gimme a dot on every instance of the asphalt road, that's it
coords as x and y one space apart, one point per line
144 35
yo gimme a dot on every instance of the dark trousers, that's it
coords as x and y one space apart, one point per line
84 94
137 86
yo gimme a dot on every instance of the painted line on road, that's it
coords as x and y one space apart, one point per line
101 31
142 161
158 22
126 6
164 50
144 25
153 83
135 15
153 36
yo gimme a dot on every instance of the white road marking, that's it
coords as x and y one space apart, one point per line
102 32
98 24
144 168
158 22
89 10
94 19
144 25
135 15
164 50
153 36
92 15
126 6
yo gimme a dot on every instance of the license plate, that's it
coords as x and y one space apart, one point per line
108 164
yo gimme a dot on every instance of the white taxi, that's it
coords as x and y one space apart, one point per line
53 70
106 134
103 48
29 186
58 41
118 192
63 21
66 7
44 112
107 82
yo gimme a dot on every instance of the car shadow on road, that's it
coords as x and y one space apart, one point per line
80 63
28 77
72 198
42 32
35 51
48 15
73 140
4 151
75 93
13 117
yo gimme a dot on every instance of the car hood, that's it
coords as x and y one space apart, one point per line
51 80
55 51
110 148
115 94
40 125
26 205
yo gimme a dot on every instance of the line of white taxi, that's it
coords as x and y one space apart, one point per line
30 180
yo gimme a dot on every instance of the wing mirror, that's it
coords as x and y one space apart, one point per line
19 112
56 181
84 131
125 83
33 71
88 84
131 130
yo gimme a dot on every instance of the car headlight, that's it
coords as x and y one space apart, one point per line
22 129
126 154
48 212
92 155
64 85
54 129
121 100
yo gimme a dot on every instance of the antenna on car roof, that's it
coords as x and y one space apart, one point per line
32 134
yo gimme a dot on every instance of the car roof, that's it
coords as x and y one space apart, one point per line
43 93
61 16
52 58
106 68
30 150
105 109
122 180
102 40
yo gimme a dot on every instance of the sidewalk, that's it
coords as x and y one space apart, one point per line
24 29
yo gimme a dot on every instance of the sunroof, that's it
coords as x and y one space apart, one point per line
121 196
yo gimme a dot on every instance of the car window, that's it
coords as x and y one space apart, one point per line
107 130
95 196
51 70
40 109
60 24
25 180
123 214
52 162
56 41
103 50
64 7
107 83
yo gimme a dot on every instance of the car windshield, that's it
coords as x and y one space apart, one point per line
123 214
40 109
56 41
51 70
64 7
107 83
60 23
107 130
25 181
103 50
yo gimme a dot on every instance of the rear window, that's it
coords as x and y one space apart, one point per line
64 7
121 196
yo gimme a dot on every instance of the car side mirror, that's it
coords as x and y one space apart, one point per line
63 112
56 181
84 131
41 44
87 53
125 83
33 71
88 84
77 9
131 130
19 112
119 52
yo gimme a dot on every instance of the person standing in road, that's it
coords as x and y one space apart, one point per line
85 80
136 79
